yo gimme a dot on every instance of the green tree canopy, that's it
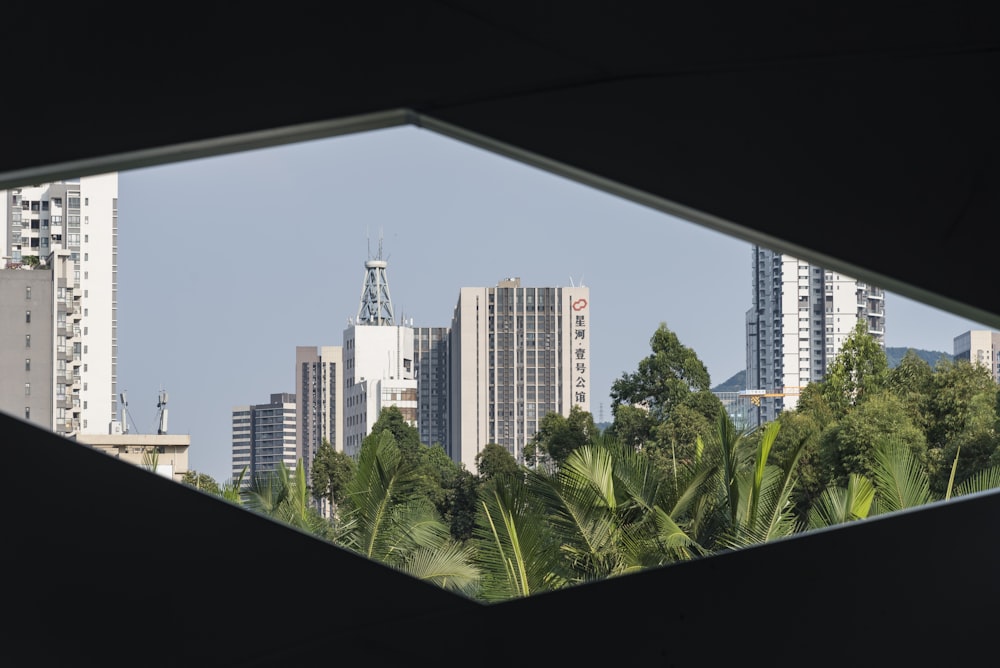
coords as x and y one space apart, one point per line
331 472
406 435
495 460
859 370
202 481
664 379
558 436
849 446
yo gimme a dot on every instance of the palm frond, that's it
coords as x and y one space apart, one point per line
900 480
980 481
514 546
838 505
449 566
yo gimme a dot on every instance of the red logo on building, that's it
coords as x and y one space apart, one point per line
579 304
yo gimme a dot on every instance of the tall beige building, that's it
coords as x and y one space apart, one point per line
319 407
517 354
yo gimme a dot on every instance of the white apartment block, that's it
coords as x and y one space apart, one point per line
800 318
517 354
979 346
79 216
319 408
379 369
264 437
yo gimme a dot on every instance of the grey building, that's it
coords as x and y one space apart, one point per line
430 357
264 437
80 217
800 317
40 350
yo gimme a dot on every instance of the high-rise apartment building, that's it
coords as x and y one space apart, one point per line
430 357
517 354
378 360
80 217
800 317
264 437
319 407
979 346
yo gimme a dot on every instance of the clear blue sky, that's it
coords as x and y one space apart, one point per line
227 264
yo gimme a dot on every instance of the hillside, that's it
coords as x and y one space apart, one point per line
894 356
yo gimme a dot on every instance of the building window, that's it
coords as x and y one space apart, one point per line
27 316
27 292
27 364
27 389
27 412
27 340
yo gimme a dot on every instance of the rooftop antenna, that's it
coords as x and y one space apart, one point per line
376 305
123 417
161 407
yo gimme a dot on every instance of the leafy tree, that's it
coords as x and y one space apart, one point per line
848 446
201 481
436 476
664 379
461 516
859 370
406 435
959 408
493 461
558 436
675 438
331 472
633 425
912 381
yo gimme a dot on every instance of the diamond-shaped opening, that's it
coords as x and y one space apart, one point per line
251 261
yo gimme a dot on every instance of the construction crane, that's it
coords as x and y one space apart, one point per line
756 395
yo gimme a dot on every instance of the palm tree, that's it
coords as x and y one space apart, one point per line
516 553
605 512
283 495
386 520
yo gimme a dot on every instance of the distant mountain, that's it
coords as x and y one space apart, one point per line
893 355
735 384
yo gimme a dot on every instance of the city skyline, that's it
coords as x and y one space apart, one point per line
227 264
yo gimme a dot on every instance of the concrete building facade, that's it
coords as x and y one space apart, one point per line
517 354
319 406
979 346
379 368
801 314
431 358
79 216
264 437
164 454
